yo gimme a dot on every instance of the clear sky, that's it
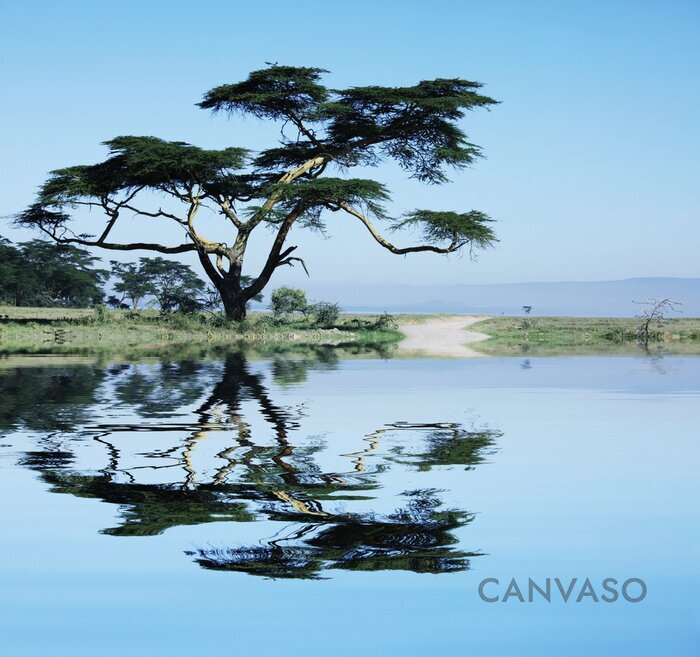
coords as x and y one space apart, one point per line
592 156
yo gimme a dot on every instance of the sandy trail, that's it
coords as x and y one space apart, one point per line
442 336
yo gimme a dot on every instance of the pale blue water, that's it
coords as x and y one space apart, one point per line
278 507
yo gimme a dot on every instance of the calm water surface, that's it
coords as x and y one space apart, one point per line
314 506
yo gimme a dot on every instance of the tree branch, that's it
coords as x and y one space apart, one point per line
134 246
220 264
212 272
291 261
227 208
303 129
454 245
160 213
286 179
273 259
114 215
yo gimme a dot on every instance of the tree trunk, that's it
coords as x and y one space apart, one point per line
234 304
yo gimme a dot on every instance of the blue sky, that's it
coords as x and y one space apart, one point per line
591 169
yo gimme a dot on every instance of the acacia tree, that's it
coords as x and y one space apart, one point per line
42 273
174 284
283 186
132 282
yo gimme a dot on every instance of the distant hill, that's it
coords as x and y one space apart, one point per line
600 298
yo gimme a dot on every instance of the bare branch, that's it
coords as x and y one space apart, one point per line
134 246
226 206
114 215
291 261
273 257
160 213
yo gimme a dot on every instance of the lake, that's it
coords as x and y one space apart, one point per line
317 504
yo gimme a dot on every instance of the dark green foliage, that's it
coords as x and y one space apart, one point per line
132 282
40 215
116 303
39 273
12 273
315 196
385 321
174 285
273 93
414 125
450 445
414 538
440 227
67 274
136 162
147 510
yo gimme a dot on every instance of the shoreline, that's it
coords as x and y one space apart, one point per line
87 331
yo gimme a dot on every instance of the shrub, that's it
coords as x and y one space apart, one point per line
288 300
385 321
325 313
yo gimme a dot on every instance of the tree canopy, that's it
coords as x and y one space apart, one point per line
323 129
41 273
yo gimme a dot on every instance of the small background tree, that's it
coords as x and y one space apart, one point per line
173 284
654 316
287 301
526 323
133 282
325 314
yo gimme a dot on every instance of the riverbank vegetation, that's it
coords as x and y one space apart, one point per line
102 331
76 331
545 336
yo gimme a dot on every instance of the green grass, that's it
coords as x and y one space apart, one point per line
80 331
583 335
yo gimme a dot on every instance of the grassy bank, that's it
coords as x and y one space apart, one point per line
129 335
583 335
79 331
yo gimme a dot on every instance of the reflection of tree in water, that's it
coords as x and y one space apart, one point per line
416 537
162 390
47 397
260 478
289 371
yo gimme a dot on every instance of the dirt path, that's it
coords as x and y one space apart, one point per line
442 336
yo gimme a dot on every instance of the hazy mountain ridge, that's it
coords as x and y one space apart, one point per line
574 298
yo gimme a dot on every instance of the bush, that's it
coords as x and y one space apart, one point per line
288 300
385 321
325 313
